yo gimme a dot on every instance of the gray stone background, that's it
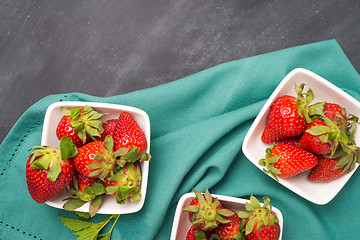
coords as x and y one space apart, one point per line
106 48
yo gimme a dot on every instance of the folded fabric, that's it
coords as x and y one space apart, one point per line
198 124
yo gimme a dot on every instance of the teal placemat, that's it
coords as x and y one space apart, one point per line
198 124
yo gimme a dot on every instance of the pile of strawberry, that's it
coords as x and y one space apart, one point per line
95 158
317 137
210 220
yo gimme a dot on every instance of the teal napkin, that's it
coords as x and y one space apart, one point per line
198 124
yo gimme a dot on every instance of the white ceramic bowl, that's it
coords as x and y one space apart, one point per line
181 223
109 205
254 148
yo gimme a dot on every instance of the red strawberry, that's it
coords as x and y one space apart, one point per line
261 222
288 116
285 160
334 111
206 212
230 230
125 183
84 189
324 134
326 170
48 172
109 128
195 233
316 142
80 125
128 133
96 159
80 182
283 120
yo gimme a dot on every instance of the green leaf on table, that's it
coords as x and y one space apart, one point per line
88 230
82 215
104 236
76 225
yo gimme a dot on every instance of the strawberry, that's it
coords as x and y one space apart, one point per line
316 141
84 189
109 128
326 170
288 116
49 170
286 160
334 111
206 212
195 233
261 222
97 159
125 183
231 229
129 135
80 125
325 134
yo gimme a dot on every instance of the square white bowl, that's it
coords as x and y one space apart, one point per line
181 223
109 206
254 148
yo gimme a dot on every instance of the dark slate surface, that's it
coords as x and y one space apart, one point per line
107 48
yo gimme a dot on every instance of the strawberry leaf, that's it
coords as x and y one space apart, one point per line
309 96
82 215
249 207
254 202
76 225
107 236
73 203
82 135
78 126
92 131
95 165
200 235
98 188
221 219
273 159
67 148
214 236
324 138
42 162
266 202
54 170
109 143
111 189
318 130
122 151
88 230
191 208
208 196
95 173
200 197
249 226
65 111
244 215
104 236
95 205
317 109
225 212
74 113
